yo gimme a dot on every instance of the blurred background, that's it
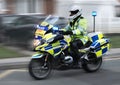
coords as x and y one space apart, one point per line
108 11
18 17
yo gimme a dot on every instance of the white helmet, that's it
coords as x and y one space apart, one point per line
75 11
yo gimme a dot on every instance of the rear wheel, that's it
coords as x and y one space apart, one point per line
92 64
38 69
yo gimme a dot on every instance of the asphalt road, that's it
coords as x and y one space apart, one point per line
109 74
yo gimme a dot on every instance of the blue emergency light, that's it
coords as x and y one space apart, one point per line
94 13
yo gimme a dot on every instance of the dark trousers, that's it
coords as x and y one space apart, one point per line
75 46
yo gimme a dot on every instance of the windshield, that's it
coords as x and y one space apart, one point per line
55 21
51 19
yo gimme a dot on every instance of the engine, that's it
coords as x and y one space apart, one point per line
68 59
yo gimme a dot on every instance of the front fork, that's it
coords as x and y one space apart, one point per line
46 59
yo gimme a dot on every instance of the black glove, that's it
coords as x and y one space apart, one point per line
68 33
48 31
57 38
61 32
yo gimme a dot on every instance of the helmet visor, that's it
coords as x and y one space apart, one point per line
73 12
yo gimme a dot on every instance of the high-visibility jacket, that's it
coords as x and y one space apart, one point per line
79 29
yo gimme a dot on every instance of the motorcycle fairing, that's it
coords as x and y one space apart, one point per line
54 48
37 55
41 29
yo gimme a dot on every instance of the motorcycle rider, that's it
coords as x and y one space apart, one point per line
76 28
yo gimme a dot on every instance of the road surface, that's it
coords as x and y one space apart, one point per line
109 74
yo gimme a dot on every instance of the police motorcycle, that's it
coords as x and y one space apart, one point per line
54 51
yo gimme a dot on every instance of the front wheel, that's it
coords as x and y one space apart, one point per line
92 65
38 69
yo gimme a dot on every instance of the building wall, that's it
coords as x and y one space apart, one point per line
29 6
2 7
106 21
21 6
40 6
10 6
49 6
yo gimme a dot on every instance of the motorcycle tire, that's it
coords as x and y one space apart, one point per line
92 66
37 69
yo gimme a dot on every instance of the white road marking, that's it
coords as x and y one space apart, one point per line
109 59
7 72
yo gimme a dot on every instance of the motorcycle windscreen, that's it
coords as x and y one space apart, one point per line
100 47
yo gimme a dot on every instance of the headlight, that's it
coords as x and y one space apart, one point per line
36 42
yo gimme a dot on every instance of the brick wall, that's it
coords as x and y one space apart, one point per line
10 6
49 6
